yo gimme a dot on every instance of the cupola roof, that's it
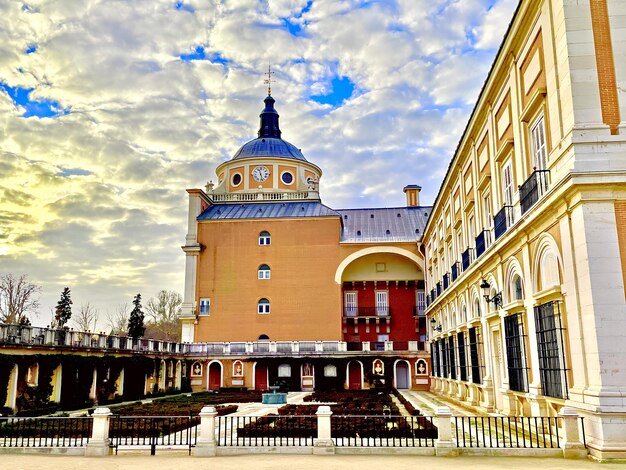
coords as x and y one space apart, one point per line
269 142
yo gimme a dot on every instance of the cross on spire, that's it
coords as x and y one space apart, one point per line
268 80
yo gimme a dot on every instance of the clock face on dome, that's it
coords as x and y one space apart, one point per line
260 174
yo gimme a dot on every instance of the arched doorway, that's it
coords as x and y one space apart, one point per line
355 376
215 376
402 375
260 378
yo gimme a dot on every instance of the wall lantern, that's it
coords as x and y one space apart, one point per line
496 299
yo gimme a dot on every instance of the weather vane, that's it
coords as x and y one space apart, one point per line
268 80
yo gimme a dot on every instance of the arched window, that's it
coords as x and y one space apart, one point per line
549 271
264 306
264 271
264 338
517 292
463 314
476 307
265 238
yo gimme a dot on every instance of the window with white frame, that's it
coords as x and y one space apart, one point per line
517 292
284 370
264 271
459 242
205 307
538 142
265 238
476 307
264 306
549 270
487 210
421 302
471 229
507 183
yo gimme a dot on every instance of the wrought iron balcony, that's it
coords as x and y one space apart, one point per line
466 259
533 188
446 281
438 288
502 221
432 295
455 271
483 240
378 311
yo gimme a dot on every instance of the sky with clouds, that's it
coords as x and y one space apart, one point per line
110 109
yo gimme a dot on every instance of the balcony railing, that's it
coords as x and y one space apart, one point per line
446 281
432 295
466 258
483 240
533 188
379 311
455 271
438 286
502 221
418 311
264 196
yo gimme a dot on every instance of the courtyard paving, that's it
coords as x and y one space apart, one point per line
169 460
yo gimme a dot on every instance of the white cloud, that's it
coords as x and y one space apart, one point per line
144 125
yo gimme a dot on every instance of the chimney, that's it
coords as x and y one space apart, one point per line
412 192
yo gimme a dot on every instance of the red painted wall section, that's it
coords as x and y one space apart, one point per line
401 303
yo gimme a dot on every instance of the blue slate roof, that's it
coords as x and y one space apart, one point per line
267 210
393 224
269 147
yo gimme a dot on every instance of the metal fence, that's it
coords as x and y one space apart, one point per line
45 432
383 431
271 430
153 431
507 432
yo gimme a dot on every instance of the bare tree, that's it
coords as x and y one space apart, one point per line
117 321
86 318
163 311
18 298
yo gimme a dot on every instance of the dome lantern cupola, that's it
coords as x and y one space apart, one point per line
269 120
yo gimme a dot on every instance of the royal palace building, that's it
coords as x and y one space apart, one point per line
526 243
283 290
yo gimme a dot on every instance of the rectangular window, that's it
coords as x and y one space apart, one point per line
552 371
460 341
451 358
471 229
382 303
420 302
350 305
507 183
475 346
487 219
538 142
444 358
284 370
205 307
515 352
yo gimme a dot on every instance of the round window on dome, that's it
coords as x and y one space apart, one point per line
236 179
286 177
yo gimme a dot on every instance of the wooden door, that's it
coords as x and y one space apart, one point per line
402 376
215 376
260 378
354 376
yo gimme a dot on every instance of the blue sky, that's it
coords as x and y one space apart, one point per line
111 109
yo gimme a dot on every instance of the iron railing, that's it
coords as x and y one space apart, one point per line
507 432
466 259
153 431
483 240
45 432
455 271
379 311
272 430
533 188
438 287
502 221
446 281
383 431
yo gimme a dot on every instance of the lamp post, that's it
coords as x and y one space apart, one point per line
496 299
435 328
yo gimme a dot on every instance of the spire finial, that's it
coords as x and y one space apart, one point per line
268 80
